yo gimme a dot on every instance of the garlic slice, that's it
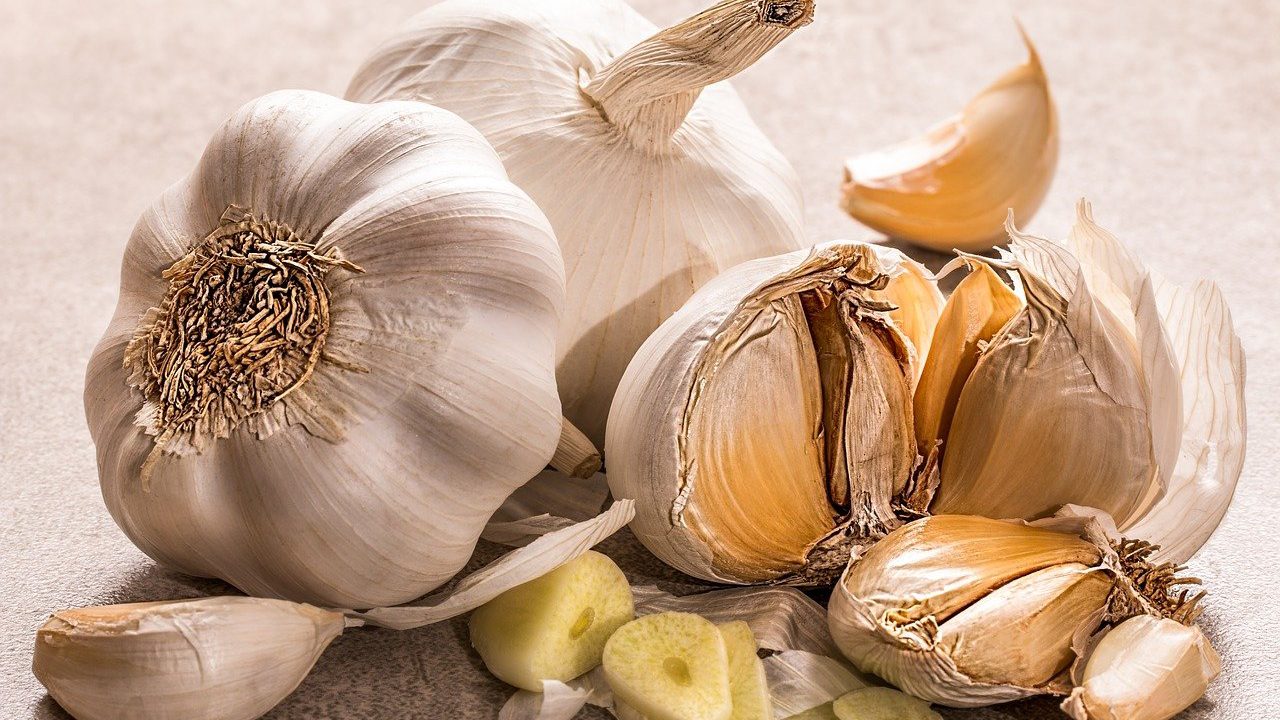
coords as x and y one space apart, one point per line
219 658
670 666
879 703
1145 668
766 426
951 187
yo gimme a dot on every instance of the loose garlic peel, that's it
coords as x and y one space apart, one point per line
269 401
1110 388
966 611
222 658
766 425
951 187
1145 668
649 168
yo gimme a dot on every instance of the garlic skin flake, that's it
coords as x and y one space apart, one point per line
951 187
220 658
766 426
649 168
1110 388
966 611
421 397
1145 668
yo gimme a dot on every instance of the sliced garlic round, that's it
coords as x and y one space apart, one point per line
670 666
879 703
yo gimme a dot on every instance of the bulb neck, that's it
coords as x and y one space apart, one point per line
648 90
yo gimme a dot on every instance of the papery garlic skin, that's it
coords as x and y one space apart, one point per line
951 187
652 173
220 658
1145 668
718 427
1111 388
965 611
433 396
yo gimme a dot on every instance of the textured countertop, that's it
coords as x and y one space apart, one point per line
1169 115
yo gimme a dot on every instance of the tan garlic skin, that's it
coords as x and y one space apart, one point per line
219 658
650 168
722 427
965 611
1145 668
433 397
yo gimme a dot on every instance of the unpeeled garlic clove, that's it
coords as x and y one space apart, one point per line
951 187
966 611
219 658
1145 668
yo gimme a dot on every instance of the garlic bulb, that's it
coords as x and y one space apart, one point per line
1108 387
649 169
967 611
342 320
222 658
1145 668
951 187
766 426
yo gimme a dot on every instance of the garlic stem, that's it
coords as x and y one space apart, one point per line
648 90
575 456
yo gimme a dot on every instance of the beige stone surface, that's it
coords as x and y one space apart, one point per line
1169 124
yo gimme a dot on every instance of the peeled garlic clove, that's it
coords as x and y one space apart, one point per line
747 684
966 611
766 425
951 187
220 658
555 627
976 310
670 666
645 160
1145 668
879 703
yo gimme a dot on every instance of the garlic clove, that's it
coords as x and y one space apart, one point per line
1145 668
748 686
1022 632
917 301
555 627
951 187
880 703
978 308
670 666
766 425
219 658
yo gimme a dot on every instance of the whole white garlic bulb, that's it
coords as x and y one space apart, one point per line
219 658
1094 382
766 426
333 354
650 170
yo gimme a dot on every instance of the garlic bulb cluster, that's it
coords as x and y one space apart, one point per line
766 426
1145 668
342 317
649 168
221 658
1094 382
951 187
967 611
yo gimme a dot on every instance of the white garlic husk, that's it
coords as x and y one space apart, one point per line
649 168
951 187
766 426
1106 386
1145 668
219 658
399 381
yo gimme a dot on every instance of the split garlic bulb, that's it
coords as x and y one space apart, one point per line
333 354
951 187
766 426
221 658
650 170
1145 668
967 611
1095 382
